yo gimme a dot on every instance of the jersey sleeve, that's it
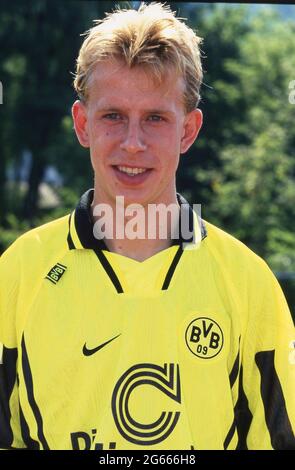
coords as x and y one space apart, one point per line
10 429
266 408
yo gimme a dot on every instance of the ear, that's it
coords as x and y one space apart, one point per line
79 113
191 127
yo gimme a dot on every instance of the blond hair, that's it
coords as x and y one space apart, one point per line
151 37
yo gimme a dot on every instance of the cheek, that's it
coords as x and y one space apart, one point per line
168 166
170 139
102 147
100 141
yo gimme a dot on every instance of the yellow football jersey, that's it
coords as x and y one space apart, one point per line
192 348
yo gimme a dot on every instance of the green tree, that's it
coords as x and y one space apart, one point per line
254 193
223 30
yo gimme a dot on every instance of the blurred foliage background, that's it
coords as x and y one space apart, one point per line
241 168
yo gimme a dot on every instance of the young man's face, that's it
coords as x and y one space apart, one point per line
136 131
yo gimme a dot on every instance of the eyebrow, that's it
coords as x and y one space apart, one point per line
108 110
159 111
120 110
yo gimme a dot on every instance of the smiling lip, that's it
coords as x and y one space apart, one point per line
134 179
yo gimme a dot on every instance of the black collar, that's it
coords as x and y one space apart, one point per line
81 225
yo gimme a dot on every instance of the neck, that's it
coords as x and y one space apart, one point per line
136 231
138 250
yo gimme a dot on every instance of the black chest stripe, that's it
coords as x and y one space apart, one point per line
7 382
172 268
276 416
25 431
115 280
235 370
243 415
230 435
30 392
109 270
232 379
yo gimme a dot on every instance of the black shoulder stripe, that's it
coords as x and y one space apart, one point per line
232 379
7 382
243 415
276 416
30 392
109 270
69 238
172 268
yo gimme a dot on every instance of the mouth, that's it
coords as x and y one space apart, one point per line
131 171
131 175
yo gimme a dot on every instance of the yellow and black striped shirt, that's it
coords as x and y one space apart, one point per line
192 348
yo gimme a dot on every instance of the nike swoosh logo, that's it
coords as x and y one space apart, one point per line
89 352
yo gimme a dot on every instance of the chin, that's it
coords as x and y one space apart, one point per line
134 198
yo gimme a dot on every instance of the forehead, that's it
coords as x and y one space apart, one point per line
113 82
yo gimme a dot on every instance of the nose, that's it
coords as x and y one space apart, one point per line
133 139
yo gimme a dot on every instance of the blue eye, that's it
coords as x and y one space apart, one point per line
112 116
155 118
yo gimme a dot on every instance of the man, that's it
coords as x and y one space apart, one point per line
151 342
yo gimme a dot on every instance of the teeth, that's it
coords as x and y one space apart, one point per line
131 171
